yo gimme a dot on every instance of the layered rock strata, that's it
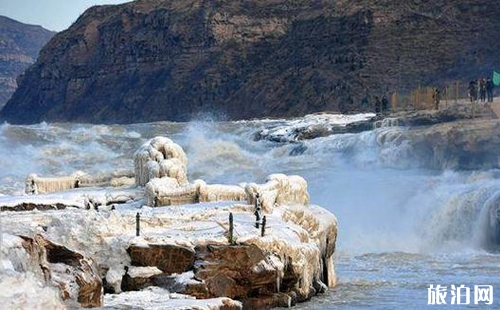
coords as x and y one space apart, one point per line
151 60
19 47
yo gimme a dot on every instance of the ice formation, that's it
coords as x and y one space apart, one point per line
43 185
312 124
160 157
38 185
183 249
279 189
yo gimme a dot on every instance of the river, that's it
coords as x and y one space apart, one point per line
401 228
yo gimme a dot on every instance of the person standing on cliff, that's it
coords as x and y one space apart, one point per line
437 97
378 104
385 104
482 89
472 91
489 89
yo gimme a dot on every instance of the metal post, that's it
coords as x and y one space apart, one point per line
231 229
137 224
258 211
257 201
263 231
257 218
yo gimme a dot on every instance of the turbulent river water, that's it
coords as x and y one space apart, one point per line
400 230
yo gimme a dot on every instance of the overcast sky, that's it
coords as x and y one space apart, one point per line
54 15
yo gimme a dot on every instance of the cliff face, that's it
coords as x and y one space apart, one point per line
152 60
19 47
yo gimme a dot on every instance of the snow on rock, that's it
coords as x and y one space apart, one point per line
25 291
290 263
160 166
279 189
185 249
42 185
219 192
54 265
154 298
311 126
165 191
84 198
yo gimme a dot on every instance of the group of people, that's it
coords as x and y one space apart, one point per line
381 106
481 88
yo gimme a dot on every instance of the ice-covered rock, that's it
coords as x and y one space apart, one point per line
42 185
25 291
82 198
279 189
190 249
465 144
166 191
450 113
57 266
38 185
293 259
153 298
315 125
160 157
219 192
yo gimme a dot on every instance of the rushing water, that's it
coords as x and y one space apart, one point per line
399 229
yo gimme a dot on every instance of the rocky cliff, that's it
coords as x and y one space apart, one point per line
19 47
151 60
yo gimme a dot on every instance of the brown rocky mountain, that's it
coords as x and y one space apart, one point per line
151 60
19 47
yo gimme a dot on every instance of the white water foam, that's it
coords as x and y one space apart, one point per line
386 205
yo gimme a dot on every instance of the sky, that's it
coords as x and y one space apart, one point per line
54 15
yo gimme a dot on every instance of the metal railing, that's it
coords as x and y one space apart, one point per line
422 97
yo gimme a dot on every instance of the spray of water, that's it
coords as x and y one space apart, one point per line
384 202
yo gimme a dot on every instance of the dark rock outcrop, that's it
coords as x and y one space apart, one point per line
19 47
28 206
459 145
151 60
168 258
243 272
454 112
